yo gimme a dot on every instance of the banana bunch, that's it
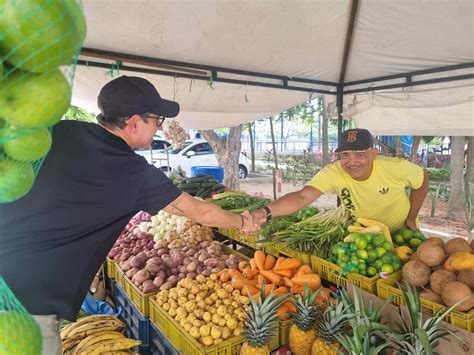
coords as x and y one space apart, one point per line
98 334
370 226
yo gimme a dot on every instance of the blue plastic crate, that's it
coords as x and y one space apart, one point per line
159 344
138 326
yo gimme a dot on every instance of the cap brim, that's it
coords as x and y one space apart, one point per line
166 108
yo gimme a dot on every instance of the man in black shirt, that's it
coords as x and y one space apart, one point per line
53 240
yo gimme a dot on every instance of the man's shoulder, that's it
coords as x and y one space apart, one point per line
390 161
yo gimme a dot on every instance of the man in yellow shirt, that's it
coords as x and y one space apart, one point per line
369 185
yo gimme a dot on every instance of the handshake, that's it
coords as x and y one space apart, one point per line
252 222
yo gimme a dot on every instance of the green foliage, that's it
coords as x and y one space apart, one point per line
439 174
79 114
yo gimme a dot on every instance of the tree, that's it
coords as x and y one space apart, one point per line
414 149
79 114
469 181
325 135
456 205
227 149
252 146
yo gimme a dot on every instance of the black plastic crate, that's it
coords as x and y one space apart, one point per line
159 344
138 326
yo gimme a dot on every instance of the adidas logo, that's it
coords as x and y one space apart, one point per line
384 190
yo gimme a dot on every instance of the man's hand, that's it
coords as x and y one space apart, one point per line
249 226
259 216
410 223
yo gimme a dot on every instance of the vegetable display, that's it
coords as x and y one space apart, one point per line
238 202
201 185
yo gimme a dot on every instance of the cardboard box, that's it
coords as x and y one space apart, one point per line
389 316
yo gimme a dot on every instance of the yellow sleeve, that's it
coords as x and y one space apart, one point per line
324 180
411 173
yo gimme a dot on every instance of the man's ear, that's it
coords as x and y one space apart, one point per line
374 152
132 122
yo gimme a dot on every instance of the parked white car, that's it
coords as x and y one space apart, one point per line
193 153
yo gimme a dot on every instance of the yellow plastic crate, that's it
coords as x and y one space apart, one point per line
183 342
388 287
120 277
137 296
284 331
110 267
272 249
224 231
304 258
332 273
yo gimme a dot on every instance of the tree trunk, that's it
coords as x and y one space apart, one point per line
456 195
227 152
414 149
252 148
398 147
325 135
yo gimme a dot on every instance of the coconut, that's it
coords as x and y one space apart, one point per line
431 296
416 273
431 254
455 291
467 277
435 240
441 278
457 244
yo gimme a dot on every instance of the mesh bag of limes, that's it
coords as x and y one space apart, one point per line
19 333
39 40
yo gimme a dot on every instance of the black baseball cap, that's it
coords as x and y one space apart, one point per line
355 139
130 95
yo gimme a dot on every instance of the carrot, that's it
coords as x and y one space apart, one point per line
253 265
234 272
221 272
282 312
323 297
303 270
238 282
243 265
291 307
279 261
280 291
261 279
259 257
297 289
250 274
284 273
224 277
269 262
313 281
248 290
270 275
289 263
287 282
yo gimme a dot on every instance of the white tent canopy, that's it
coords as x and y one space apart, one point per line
289 40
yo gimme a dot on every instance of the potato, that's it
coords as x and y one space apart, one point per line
166 286
141 276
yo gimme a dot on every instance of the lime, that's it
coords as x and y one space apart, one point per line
362 266
378 240
371 271
354 259
342 264
419 235
352 246
378 263
407 234
398 238
362 254
371 256
354 236
386 258
397 265
387 246
369 247
380 251
387 268
369 237
361 242
345 258
414 242
363 272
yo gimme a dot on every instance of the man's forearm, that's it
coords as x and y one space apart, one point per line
293 201
214 216
418 196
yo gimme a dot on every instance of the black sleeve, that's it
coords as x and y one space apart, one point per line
156 192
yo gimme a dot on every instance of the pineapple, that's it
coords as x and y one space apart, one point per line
302 332
333 321
260 323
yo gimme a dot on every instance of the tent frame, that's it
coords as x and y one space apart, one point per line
212 73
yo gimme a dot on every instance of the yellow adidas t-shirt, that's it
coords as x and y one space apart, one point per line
382 196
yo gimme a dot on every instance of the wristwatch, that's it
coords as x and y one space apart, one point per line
269 213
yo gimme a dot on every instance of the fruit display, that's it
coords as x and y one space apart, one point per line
201 185
96 334
260 323
208 310
408 238
443 271
37 38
